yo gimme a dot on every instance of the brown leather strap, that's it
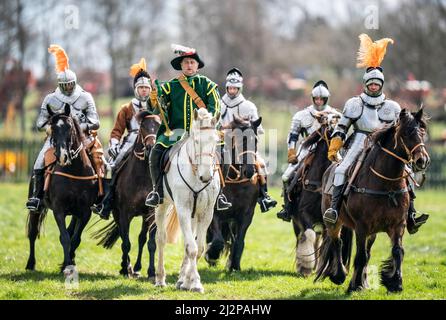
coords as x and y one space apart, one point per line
198 101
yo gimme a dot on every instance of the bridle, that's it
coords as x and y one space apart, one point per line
142 155
407 160
72 154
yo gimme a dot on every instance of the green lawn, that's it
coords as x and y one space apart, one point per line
267 263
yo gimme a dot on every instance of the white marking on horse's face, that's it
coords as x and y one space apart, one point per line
64 160
60 123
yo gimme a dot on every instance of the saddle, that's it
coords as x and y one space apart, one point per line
301 171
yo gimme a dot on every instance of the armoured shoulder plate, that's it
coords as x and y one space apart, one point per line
389 111
353 108
306 118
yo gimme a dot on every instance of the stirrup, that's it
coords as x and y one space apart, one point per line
31 204
330 216
99 210
267 203
418 221
284 215
222 203
153 199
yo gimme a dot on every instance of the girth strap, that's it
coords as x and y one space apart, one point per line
391 194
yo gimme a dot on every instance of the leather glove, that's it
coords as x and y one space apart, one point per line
292 158
153 95
113 149
335 145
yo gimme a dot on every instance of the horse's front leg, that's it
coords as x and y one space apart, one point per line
358 279
151 246
391 273
216 242
79 226
65 240
124 228
239 242
161 239
142 238
191 278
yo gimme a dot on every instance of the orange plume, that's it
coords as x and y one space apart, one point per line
61 57
141 65
370 53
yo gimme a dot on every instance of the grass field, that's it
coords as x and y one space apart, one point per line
267 263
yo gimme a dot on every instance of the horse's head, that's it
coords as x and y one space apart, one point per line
411 131
65 136
205 138
148 127
244 143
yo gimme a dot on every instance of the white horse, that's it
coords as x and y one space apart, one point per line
194 185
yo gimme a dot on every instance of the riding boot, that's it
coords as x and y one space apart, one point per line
285 213
264 200
156 196
105 206
414 222
331 214
36 198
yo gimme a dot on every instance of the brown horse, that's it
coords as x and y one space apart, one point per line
132 185
378 202
228 228
72 189
306 196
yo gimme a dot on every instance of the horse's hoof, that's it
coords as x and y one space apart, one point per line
304 272
197 289
178 285
184 287
160 284
136 275
151 279
69 270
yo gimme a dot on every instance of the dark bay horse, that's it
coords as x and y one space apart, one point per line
228 228
378 202
132 185
307 210
72 189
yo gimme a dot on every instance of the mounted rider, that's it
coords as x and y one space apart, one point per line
126 121
369 111
234 103
179 97
303 124
83 109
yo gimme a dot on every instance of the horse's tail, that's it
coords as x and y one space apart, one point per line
330 264
173 225
347 242
108 235
35 223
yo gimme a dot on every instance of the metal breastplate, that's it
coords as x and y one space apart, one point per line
375 118
78 107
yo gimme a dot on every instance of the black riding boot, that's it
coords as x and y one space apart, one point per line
105 206
222 202
414 222
156 196
265 201
36 198
331 214
285 213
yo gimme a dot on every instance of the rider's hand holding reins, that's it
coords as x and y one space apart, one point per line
292 158
153 95
335 145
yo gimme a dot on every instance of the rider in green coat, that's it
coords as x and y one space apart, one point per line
178 106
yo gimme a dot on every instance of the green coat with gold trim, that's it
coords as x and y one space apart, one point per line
179 105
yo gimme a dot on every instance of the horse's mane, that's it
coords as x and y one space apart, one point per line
142 114
240 123
311 139
407 118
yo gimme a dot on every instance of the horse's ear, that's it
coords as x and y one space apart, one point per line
419 115
50 112
257 122
404 113
67 109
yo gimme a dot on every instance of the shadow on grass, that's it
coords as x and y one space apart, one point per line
214 275
320 294
37 276
115 292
